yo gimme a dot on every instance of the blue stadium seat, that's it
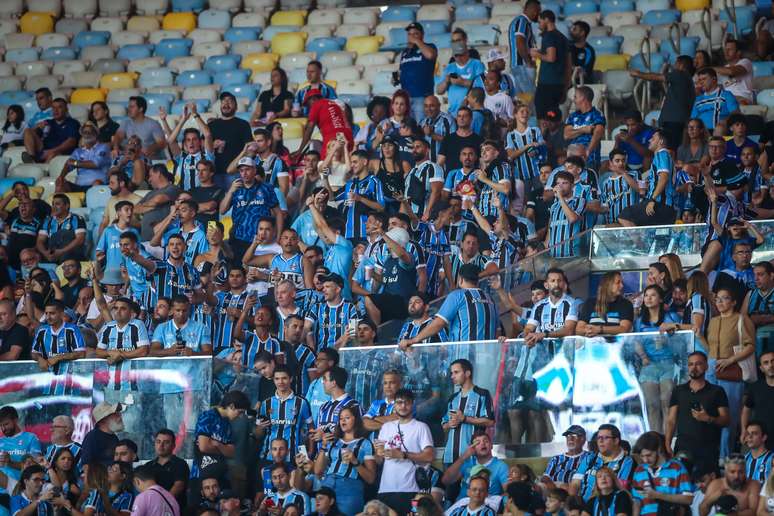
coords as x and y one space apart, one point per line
399 13
616 6
222 63
354 100
323 45
133 52
483 34
745 19
606 44
399 39
766 98
180 6
272 30
14 97
297 75
434 26
553 5
91 38
656 62
440 40
471 12
660 16
193 78
246 90
651 5
59 54
232 77
156 77
97 196
21 55
171 48
158 100
214 19
687 47
202 105
237 34
762 68
580 7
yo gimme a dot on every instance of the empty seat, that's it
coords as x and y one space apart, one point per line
31 171
606 62
132 52
296 60
46 41
686 46
745 20
87 96
297 76
91 38
204 36
620 87
11 8
151 7
21 55
185 64
616 6
261 78
156 77
12 82
338 59
383 30
272 30
344 73
382 84
185 22
260 62
348 30
122 94
158 36
237 34
633 46
58 54
399 13
71 26
471 12
109 24
14 41
142 24
36 23
690 5
249 47
140 65
762 68
158 101
434 12
638 62
324 45
110 81
364 44
182 6
92 54
606 45
661 16
67 67
324 17
289 18
483 34
201 93
81 79
49 81
232 77
440 40
766 98
214 19
194 78
207 50
580 7
221 63
45 6
288 43
633 33
246 91
651 5
259 5
361 16
114 7
33 68
249 20
108 66
172 48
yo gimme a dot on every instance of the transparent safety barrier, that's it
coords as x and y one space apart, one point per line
156 393
637 247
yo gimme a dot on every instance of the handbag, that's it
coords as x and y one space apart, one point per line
421 473
747 365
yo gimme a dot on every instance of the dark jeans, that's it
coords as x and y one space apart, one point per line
398 502
548 97
674 134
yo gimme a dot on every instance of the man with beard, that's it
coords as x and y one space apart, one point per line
419 318
74 282
555 315
229 135
304 363
698 411
424 182
733 484
227 305
15 444
100 443
759 397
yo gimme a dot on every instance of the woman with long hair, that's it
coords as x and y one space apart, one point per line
658 359
62 472
694 148
609 313
698 310
13 128
278 143
398 125
674 264
658 274
99 115
729 329
523 146
608 498
348 462
391 171
274 102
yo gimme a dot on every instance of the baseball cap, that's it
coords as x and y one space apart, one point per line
104 409
479 471
246 162
736 221
415 25
575 430
338 280
494 54
312 92
469 272
112 277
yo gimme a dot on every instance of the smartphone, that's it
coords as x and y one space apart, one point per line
696 406
211 225
302 451
454 75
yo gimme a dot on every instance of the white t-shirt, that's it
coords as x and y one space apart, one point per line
740 86
398 474
262 287
500 104
493 502
767 499
93 312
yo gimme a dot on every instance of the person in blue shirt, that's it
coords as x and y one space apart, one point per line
586 125
609 455
635 140
63 234
249 198
658 480
109 245
57 343
57 136
43 99
90 161
14 441
181 336
714 105
417 68
197 146
458 76
338 257
327 323
658 206
361 194
477 453
521 39
30 501
314 73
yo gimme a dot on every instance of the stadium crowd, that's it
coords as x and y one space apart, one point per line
274 259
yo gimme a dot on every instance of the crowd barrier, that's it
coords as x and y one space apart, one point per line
536 391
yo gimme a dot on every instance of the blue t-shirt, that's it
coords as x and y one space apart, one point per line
577 120
248 205
338 259
210 424
469 71
633 158
416 72
99 154
498 470
194 334
109 243
19 502
471 315
662 164
21 444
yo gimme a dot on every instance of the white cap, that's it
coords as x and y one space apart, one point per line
400 236
494 55
103 410
246 162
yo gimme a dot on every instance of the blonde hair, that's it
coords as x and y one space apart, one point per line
699 284
674 264
603 293
604 470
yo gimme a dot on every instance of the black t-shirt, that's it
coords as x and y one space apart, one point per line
175 469
620 501
42 210
691 431
722 171
584 57
71 292
272 103
235 132
17 335
107 131
619 310
202 194
759 397
23 235
539 206
553 73
98 446
452 144
679 98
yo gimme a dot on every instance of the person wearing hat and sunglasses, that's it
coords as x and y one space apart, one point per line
561 468
91 161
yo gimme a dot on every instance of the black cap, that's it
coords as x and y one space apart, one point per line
575 430
334 278
327 491
368 322
415 25
469 272
736 221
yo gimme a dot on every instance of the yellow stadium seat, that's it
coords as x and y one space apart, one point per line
690 5
260 62
118 80
179 21
364 44
288 43
36 23
77 199
289 18
85 271
35 193
607 62
87 95
142 24
227 222
292 127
